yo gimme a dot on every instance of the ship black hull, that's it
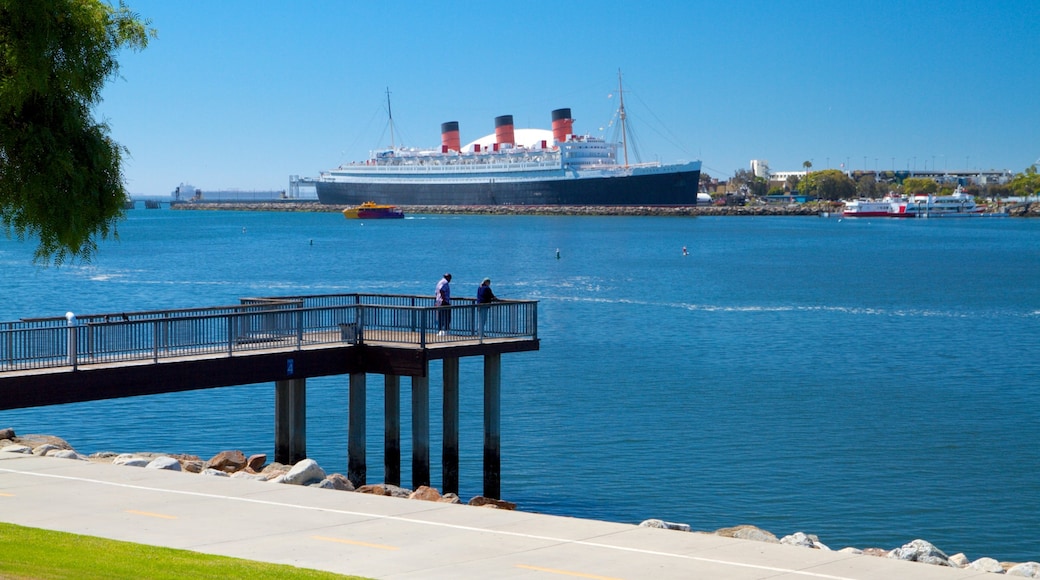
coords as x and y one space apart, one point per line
661 188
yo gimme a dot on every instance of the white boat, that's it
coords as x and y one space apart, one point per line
957 204
888 206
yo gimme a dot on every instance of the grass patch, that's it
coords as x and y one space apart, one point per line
32 553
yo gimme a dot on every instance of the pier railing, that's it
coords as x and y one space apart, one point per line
256 324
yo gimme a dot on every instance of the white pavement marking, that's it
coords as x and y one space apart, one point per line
435 524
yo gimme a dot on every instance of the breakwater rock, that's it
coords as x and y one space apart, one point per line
1023 210
800 209
307 472
568 210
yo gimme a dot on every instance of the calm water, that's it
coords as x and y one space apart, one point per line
868 381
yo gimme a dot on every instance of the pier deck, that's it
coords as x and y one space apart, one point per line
284 340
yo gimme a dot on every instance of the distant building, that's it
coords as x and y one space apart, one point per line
760 168
990 177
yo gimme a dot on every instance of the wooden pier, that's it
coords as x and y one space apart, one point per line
284 340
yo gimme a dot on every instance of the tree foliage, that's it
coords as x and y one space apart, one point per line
829 184
60 173
920 186
1027 183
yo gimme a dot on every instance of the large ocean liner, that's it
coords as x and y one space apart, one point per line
512 167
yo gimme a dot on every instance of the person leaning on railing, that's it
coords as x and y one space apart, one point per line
484 296
442 297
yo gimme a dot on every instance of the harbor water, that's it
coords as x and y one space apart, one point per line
869 381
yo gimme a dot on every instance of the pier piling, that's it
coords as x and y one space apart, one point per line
356 466
420 431
450 447
392 429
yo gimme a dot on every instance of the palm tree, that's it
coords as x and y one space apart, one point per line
807 165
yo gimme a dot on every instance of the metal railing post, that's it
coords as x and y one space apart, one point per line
230 334
360 339
156 333
299 327
70 321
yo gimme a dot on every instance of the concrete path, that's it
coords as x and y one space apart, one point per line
390 538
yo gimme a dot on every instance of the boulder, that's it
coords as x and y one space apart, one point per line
193 465
920 551
426 493
66 454
747 532
384 489
804 540
44 449
450 498
256 463
987 565
337 481
373 489
1025 570
7 433
164 462
959 560
214 472
663 525
35 441
305 472
481 501
227 461
131 460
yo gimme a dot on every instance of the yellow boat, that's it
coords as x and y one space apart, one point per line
373 211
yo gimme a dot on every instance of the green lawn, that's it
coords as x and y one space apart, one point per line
41 554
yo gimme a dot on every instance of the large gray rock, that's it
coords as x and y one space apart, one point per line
164 462
336 481
131 460
305 472
920 551
804 540
66 454
44 449
1025 570
987 565
747 532
663 525
6 433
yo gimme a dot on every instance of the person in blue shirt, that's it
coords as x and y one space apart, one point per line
484 293
484 296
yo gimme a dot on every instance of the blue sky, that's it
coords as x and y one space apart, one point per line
239 95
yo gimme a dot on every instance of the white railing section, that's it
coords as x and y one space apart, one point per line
292 322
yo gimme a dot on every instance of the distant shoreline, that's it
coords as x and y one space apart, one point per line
804 209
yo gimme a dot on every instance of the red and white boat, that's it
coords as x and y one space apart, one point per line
957 204
888 206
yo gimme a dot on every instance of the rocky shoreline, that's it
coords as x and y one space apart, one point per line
804 209
307 472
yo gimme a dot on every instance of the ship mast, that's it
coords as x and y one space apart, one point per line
390 113
621 117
